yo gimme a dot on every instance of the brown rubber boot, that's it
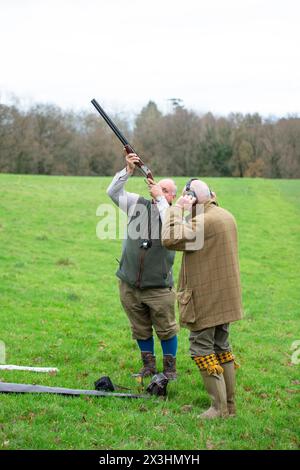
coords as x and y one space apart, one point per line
169 362
216 388
149 365
229 377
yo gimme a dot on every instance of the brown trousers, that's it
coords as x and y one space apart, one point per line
212 340
149 308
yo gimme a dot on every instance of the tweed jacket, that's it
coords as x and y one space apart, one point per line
209 290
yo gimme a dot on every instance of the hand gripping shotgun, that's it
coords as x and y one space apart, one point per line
129 149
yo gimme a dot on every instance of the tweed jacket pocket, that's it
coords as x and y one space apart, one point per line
186 306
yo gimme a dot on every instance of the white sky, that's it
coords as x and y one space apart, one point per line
216 55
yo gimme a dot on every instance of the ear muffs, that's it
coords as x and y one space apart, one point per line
188 189
190 192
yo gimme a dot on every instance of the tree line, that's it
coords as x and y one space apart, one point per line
45 139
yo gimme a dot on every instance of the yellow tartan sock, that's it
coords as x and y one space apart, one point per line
227 356
209 363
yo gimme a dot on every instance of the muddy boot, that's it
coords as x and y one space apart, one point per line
229 377
169 362
229 365
215 387
149 365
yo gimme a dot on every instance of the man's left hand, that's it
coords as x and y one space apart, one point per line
154 189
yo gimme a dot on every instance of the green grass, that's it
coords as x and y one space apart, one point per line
59 306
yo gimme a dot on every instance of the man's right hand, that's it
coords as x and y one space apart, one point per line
131 160
186 202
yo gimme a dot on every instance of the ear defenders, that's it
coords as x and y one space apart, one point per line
190 192
188 189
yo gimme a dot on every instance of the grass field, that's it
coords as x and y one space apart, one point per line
59 306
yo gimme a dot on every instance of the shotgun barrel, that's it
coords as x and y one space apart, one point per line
128 147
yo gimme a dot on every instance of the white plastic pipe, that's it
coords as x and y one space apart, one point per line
31 369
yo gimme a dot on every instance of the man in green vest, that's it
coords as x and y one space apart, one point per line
145 269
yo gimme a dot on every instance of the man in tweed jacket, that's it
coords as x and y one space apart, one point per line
209 290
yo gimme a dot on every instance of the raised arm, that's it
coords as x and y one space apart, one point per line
176 233
116 191
179 234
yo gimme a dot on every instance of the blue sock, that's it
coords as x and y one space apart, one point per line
146 345
169 346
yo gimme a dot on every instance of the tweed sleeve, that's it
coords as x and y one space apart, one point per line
178 234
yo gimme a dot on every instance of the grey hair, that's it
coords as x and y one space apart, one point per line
201 190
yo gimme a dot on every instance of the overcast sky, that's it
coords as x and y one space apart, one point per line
216 55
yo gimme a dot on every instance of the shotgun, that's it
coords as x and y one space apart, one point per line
129 149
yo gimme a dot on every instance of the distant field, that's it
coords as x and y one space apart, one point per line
59 306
